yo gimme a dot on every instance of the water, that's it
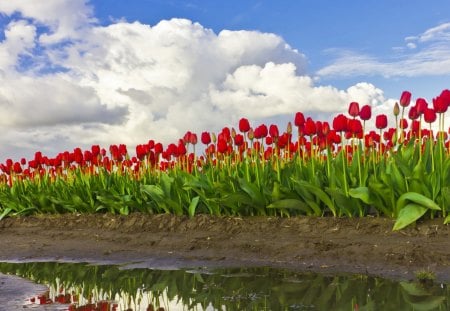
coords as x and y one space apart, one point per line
81 286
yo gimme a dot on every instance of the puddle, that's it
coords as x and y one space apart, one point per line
81 286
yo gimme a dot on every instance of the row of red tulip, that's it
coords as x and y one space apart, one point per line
261 140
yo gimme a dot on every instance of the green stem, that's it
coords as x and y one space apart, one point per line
344 169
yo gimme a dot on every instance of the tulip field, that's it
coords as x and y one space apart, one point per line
310 167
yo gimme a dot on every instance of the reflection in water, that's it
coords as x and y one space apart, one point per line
78 286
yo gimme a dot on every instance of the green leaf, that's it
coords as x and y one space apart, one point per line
253 191
5 212
193 206
155 192
166 184
361 193
319 193
413 289
409 214
447 220
345 205
291 204
418 199
429 303
124 210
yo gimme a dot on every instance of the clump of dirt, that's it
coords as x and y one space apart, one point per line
356 245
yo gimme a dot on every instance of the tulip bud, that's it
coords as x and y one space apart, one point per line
396 109
213 138
289 128
250 134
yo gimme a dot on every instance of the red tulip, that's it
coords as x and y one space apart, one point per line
415 125
299 119
403 124
226 133
206 138
340 123
421 105
273 131
412 114
181 148
95 149
171 149
238 140
365 113
429 115
283 140
17 168
193 139
441 103
151 144
325 128
310 127
405 99
381 121
353 109
222 145
158 148
355 127
244 125
261 131
445 97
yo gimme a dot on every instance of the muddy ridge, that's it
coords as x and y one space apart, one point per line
348 245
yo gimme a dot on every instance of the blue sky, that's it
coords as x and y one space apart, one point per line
78 72
319 29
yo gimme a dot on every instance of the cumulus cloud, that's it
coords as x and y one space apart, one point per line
64 19
425 54
69 82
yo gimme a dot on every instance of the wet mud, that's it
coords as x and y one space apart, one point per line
331 245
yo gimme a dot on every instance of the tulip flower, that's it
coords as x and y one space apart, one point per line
205 138
353 109
158 148
340 123
244 125
413 114
310 127
355 127
421 105
429 115
403 124
261 131
222 145
405 99
299 119
273 131
238 140
365 113
381 121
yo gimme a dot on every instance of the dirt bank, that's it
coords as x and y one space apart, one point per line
365 245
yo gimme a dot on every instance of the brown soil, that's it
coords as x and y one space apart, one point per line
330 245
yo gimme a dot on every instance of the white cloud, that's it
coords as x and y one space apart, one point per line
438 33
65 19
426 54
130 82
19 39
